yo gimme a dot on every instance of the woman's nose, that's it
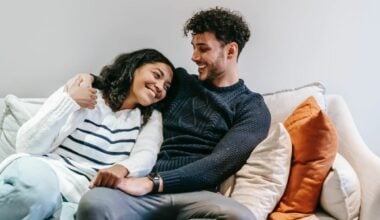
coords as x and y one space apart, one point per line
159 87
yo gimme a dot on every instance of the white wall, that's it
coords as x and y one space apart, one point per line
294 42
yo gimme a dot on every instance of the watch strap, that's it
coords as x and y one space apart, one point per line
155 178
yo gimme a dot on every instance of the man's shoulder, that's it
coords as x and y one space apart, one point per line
251 100
181 73
248 95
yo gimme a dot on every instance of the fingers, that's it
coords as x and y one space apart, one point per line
92 183
87 80
105 179
78 81
84 97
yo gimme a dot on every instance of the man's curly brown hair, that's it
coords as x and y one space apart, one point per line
115 80
228 26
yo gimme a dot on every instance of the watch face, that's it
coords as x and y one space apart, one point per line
152 175
155 178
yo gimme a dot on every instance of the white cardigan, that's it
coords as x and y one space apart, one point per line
59 117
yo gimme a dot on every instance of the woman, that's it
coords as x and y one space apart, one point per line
87 141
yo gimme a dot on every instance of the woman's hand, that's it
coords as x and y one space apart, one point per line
78 89
109 177
86 80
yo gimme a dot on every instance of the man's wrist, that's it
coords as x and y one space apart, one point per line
156 180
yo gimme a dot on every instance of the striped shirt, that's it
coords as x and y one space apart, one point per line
77 143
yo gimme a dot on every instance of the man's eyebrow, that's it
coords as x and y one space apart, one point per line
199 44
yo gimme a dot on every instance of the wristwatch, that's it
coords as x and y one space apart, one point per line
155 178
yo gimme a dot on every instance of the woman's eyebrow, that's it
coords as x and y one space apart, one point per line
163 74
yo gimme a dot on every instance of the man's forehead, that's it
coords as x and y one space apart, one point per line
202 38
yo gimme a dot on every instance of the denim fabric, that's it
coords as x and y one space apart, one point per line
29 189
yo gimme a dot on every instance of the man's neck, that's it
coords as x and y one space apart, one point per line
224 82
228 78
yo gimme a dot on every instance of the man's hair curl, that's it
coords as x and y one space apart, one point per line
228 26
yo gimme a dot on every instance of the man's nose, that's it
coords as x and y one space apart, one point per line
195 56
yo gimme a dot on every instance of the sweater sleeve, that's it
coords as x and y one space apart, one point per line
250 128
37 135
148 143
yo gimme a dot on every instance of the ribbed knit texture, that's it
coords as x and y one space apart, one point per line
209 132
76 142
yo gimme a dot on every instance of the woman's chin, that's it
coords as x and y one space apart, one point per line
147 102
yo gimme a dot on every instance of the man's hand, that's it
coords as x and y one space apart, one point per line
135 186
138 186
85 97
109 177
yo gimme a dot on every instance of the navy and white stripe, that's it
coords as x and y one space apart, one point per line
77 142
100 142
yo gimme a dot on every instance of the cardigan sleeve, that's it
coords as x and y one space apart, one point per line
37 135
148 143
231 152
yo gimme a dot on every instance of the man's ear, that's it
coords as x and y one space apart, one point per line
232 50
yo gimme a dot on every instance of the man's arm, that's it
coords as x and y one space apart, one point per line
227 158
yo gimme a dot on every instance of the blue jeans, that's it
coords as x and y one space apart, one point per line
29 189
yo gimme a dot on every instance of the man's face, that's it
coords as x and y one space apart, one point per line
210 56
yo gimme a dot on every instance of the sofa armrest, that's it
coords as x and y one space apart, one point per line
352 147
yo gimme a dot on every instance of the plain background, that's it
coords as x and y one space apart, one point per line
294 42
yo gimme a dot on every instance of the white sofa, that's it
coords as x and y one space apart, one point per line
351 145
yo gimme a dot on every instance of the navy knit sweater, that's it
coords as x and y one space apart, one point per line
209 132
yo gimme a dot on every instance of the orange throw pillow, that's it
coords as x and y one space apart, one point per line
315 145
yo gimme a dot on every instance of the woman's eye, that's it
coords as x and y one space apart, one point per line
156 75
167 86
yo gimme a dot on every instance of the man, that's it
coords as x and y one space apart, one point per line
211 125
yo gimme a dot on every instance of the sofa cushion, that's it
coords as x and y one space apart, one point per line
260 183
340 195
314 141
16 112
283 102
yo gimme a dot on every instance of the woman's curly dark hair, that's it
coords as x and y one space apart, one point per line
228 26
116 79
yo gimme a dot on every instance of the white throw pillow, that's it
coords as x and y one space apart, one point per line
260 183
16 112
340 195
282 103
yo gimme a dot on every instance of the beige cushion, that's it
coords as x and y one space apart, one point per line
16 113
282 103
260 183
341 191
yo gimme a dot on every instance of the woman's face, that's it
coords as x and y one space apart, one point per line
150 84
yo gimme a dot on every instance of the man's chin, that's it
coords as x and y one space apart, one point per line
202 76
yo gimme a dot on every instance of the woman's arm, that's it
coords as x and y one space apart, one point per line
37 135
142 158
148 143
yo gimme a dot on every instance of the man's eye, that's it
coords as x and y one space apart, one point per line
203 49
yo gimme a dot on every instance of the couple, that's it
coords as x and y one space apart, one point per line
110 143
